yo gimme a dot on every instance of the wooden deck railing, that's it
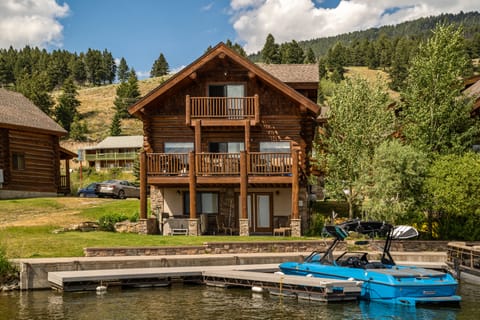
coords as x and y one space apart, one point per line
258 163
270 163
218 163
222 108
167 163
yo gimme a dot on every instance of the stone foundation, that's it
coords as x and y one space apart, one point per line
296 226
193 227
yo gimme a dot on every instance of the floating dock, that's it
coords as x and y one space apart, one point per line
257 277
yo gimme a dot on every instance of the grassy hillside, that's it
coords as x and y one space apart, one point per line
96 109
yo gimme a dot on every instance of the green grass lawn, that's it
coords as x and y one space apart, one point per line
28 227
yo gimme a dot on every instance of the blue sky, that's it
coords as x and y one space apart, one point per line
139 30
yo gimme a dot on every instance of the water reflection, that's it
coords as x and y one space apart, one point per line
201 302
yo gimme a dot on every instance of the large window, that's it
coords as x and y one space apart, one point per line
207 202
178 147
18 161
277 146
226 90
226 147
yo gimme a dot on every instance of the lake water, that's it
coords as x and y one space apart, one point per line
202 302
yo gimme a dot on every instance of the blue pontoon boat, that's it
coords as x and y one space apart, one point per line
383 280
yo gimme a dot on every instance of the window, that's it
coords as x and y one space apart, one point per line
226 90
18 161
280 146
207 202
178 147
226 147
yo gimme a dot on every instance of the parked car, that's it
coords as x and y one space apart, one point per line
89 191
120 189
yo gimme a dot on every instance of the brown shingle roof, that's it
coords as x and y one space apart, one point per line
18 111
291 73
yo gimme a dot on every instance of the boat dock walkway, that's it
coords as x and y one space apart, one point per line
258 277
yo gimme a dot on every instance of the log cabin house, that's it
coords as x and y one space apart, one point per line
30 154
227 144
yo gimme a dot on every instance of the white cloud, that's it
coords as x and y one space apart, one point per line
31 22
207 7
286 20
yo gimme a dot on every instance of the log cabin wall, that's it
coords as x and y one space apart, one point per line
41 162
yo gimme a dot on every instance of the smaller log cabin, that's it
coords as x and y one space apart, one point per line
30 153
227 144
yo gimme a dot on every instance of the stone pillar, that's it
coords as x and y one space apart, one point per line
244 229
193 227
156 199
295 224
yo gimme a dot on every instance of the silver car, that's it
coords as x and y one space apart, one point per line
120 189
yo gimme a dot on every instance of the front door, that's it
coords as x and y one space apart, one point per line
259 208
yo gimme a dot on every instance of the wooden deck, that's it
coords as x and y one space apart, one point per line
259 276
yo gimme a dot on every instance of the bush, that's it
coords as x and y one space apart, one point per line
107 222
317 222
7 270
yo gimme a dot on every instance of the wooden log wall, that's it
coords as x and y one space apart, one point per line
41 162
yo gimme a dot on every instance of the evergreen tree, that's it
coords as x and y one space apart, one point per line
399 65
436 119
123 70
77 68
336 61
35 87
322 68
67 104
160 67
109 66
291 52
310 56
115 127
94 67
235 46
78 129
271 51
127 94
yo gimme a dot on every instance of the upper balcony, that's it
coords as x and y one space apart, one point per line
222 111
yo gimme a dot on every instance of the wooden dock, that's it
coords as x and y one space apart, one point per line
260 277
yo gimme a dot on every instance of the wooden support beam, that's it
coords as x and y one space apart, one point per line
251 75
257 109
295 184
198 136
188 110
193 75
222 55
247 135
243 185
192 185
143 185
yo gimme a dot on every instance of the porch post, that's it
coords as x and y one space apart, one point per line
243 220
192 186
295 220
67 174
143 185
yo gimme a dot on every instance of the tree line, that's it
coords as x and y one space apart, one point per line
36 73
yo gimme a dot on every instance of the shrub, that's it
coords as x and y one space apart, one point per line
317 222
7 270
107 222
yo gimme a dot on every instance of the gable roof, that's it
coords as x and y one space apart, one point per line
292 73
116 142
222 49
18 112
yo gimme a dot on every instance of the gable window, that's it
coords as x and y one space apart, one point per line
18 161
234 94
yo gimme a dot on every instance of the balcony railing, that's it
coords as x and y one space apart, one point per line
225 164
111 156
230 108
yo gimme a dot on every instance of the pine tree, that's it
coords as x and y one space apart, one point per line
109 66
127 94
115 127
291 52
67 104
310 56
122 70
35 87
78 129
160 67
235 46
271 51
